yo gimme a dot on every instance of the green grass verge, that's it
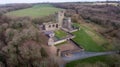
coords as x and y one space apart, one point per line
35 11
60 34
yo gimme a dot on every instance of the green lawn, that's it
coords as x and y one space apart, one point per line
84 40
35 11
60 34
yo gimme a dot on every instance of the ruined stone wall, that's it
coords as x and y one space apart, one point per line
59 16
51 26
67 23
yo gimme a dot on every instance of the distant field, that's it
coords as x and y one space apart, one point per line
114 4
35 11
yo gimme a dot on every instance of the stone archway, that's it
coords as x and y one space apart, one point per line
53 25
49 26
57 25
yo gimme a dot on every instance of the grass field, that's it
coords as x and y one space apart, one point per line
60 34
97 37
88 39
35 11
84 40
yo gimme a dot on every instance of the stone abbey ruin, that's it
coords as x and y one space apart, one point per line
61 23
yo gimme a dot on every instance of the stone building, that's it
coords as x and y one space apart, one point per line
67 23
60 22
59 16
51 26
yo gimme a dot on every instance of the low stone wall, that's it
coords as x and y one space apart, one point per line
63 40
70 31
64 29
74 30
63 53
60 41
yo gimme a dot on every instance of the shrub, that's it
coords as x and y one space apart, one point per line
9 34
15 25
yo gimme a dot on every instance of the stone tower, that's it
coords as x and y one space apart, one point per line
59 16
67 23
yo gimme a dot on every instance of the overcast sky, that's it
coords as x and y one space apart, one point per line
35 1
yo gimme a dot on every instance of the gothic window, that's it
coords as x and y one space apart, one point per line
53 25
56 25
49 26
44 27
